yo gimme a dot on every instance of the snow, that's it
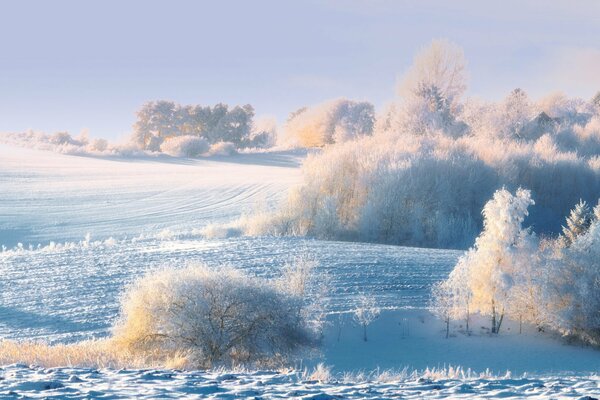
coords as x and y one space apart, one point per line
76 383
101 222
53 197
416 339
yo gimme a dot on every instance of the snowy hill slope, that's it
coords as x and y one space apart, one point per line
141 214
53 197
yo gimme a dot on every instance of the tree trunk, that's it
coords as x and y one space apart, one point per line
447 327
467 321
493 317
520 324
365 332
500 322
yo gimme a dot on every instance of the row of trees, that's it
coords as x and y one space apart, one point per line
159 121
511 273
336 121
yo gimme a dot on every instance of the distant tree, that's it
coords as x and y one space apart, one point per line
516 113
431 90
366 311
597 211
334 121
156 120
596 99
578 222
439 68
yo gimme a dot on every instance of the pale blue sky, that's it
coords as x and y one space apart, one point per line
69 65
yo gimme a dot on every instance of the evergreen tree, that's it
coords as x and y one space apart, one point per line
578 222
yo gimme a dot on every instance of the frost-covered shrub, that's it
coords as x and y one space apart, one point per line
334 121
184 146
213 316
98 145
64 143
61 138
222 149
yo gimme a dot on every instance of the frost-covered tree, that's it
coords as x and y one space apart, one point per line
596 100
443 303
509 273
366 311
578 222
485 278
431 90
516 113
596 212
264 133
572 291
440 69
334 121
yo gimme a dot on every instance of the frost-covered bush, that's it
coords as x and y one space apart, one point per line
185 146
222 149
335 121
64 143
213 316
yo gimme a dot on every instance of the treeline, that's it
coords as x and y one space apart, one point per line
434 159
160 121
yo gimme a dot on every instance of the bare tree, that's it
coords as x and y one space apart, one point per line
366 312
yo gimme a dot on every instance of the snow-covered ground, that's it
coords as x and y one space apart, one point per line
74 383
53 197
100 223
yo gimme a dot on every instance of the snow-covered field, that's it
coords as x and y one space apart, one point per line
77 229
73 383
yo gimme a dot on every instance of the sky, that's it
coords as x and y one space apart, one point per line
74 65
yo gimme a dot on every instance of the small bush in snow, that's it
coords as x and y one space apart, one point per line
213 316
222 149
184 146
